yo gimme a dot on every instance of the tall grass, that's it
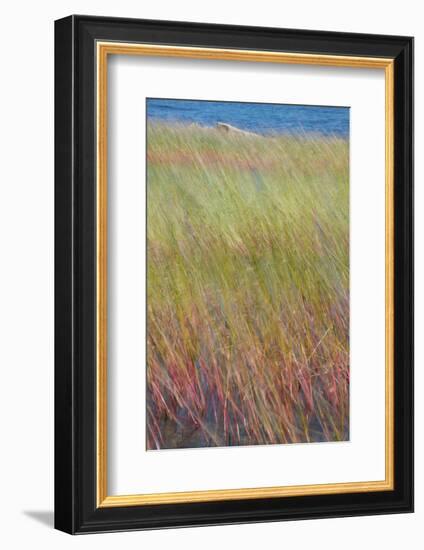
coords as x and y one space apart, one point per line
248 288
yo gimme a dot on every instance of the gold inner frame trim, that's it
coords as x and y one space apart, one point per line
103 50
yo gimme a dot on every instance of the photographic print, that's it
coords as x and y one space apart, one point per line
247 274
233 274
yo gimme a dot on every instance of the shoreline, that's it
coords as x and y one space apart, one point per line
233 130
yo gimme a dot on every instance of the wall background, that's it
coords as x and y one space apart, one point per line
26 272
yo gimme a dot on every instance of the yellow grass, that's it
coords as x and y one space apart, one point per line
248 288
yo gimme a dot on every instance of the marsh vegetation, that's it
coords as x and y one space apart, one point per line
247 288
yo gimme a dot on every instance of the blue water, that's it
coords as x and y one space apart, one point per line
263 118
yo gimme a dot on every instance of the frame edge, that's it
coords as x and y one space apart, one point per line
64 448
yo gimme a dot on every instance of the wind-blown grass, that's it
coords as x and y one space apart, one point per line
247 288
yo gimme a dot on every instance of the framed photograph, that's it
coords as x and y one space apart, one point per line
234 274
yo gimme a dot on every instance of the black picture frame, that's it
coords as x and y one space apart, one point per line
76 508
